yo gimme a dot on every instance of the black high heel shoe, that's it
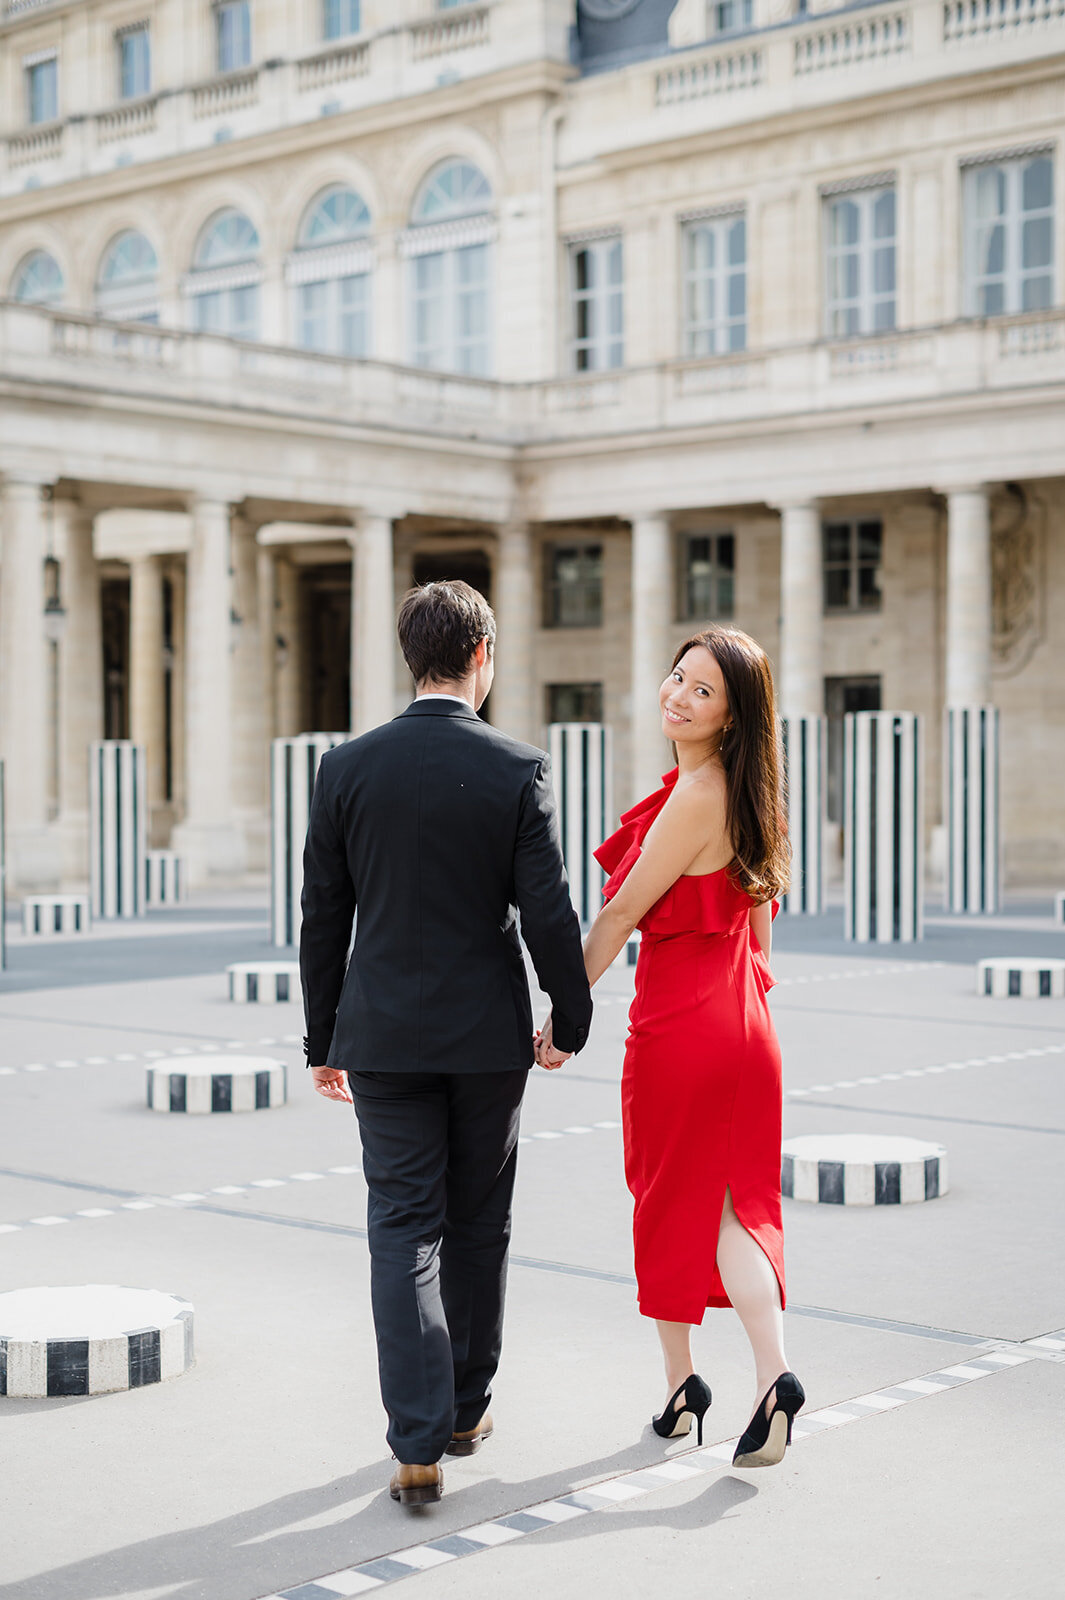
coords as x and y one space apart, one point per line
767 1438
676 1420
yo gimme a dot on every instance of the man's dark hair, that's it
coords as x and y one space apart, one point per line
440 626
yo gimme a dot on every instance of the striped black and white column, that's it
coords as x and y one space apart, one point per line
883 823
581 754
293 769
971 809
45 914
118 820
91 1339
804 741
165 878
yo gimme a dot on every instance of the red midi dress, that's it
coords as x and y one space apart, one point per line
701 1087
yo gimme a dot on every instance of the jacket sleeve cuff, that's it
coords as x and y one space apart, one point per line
316 1047
566 1035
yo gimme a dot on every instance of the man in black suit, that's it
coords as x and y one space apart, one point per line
441 831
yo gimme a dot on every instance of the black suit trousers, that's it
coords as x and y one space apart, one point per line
439 1158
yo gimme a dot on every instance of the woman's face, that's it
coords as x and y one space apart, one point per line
692 699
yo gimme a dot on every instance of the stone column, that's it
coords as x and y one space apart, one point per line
514 707
800 700
652 616
250 759
266 590
968 597
81 690
800 687
373 618
287 647
208 836
24 710
146 695
971 763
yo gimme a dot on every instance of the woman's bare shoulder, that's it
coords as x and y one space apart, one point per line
699 800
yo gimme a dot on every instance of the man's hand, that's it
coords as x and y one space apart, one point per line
331 1083
546 1054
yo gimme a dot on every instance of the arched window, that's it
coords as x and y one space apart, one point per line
127 285
450 243
224 282
330 274
39 280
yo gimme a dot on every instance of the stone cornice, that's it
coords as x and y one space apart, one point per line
459 101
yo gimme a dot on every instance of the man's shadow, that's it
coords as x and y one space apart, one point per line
247 1554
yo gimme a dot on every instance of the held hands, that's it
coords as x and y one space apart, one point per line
331 1083
546 1054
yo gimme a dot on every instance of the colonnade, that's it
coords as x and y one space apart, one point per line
233 687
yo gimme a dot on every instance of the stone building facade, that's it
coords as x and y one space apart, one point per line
634 313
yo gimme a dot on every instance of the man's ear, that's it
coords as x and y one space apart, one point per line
480 655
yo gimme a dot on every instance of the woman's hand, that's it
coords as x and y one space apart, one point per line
332 1084
546 1054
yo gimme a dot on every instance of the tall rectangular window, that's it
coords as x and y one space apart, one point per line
134 62
708 576
1009 236
340 18
597 298
334 315
233 34
451 311
732 15
574 586
852 553
715 286
42 90
860 262
574 702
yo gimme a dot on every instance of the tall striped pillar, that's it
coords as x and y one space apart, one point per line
581 767
118 827
971 809
293 769
804 742
883 827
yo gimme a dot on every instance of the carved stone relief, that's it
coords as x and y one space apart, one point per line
1018 522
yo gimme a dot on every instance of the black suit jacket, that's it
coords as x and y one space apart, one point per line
441 830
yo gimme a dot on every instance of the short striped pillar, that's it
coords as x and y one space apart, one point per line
202 1085
971 809
165 878
883 827
293 769
95 1338
842 1169
804 741
118 817
264 982
1021 978
44 914
581 766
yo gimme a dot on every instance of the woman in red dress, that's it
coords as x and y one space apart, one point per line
696 867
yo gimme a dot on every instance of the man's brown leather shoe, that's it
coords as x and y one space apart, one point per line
416 1486
467 1443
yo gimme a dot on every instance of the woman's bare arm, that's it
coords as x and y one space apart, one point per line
762 927
689 820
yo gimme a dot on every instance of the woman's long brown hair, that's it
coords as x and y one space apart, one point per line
756 818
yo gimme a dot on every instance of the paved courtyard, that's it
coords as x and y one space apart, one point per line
929 1459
